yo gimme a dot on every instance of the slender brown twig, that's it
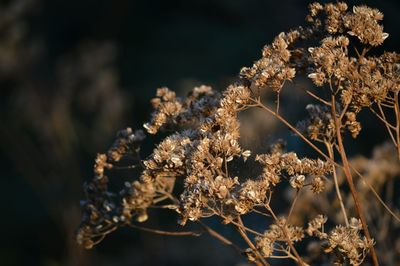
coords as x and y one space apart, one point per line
259 104
166 233
299 260
335 180
220 237
350 182
239 227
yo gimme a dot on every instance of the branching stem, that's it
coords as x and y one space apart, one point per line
350 182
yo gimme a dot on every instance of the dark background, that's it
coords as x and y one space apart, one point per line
72 73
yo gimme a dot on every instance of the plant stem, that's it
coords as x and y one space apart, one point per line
286 234
350 182
397 111
165 233
335 179
220 237
259 104
262 261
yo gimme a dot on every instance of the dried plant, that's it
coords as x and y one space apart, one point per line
197 172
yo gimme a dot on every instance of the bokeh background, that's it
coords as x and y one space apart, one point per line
72 73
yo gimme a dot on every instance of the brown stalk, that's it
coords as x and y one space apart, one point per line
245 228
293 203
239 227
345 168
284 121
259 104
397 111
313 95
166 233
286 234
220 237
375 193
350 182
335 179
389 126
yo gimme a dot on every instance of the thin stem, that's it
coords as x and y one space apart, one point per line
295 130
364 52
162 198
124 167
293 204
397 111
220 237
235 223
285 251
387 124
167 206
313 95
382 117
390 105
335 179
259 104
286 235
343 112
226 167
375 193
169 196
105 231
277 101
249 242
281 257
317 97
350 181
166 233
384 223
260 212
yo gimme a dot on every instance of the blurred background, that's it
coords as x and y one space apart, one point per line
72 73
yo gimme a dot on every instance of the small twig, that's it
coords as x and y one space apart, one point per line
285 251
293 203
315 148
383 117
316 97
387 105
249 242
397 111
343 112
105 231
277 101
386 122
235 223
218 236
166 233
286 234
124 167
295 130
350 182
375 193
260 212
335 179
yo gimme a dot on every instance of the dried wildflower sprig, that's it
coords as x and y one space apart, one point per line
205 144
381 172
347 241
101 213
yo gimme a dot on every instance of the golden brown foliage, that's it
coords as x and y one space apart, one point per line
203 145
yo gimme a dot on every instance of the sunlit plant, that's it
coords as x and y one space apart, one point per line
202 145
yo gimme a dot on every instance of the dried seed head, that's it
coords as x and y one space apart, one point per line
297 181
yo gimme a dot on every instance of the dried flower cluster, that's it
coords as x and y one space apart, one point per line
101 213
274 68
267 241
193 170
347 241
